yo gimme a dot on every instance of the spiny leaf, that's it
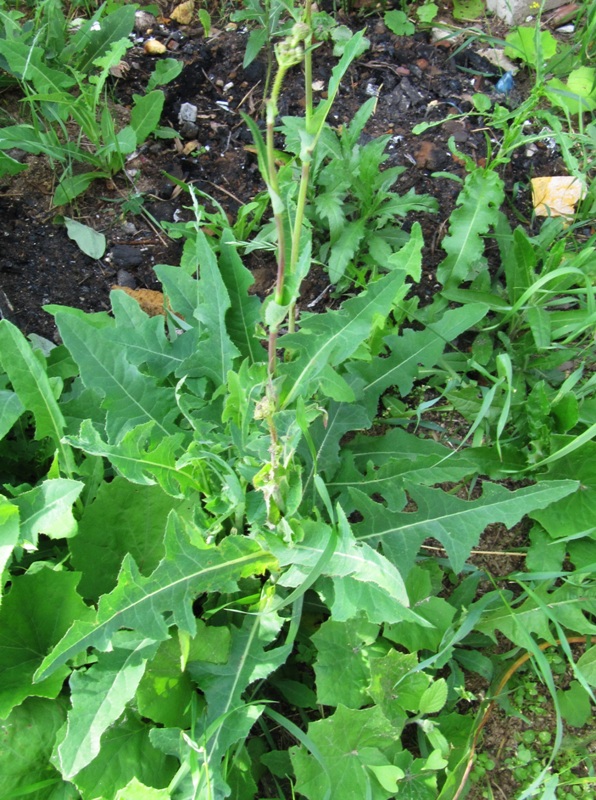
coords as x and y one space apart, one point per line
372 576
477 206
456 523
216 351
251 658
411 350
144 338
332 337
140 459
571 606
140 603
380 465
130 398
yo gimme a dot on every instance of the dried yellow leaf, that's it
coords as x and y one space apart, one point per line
182 14
556 196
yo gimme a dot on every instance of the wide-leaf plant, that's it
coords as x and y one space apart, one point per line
179 551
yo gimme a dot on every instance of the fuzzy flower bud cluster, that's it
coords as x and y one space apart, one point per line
290 51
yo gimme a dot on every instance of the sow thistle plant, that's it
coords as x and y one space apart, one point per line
207 554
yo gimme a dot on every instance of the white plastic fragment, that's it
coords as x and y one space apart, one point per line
187 113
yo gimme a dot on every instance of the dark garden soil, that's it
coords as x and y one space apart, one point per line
415 81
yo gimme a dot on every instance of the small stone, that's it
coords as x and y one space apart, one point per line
144 22
183 13
124 278
123 255
188 130
153 47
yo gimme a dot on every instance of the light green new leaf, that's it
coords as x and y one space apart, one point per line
35 614
11 409
331 338
348 742
99 696
146 113
47 509
380 581
342 665
27 737
396 686
165 70
140 459
477 207
456 523
31 383
130 398
103 540
139 602
528 45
